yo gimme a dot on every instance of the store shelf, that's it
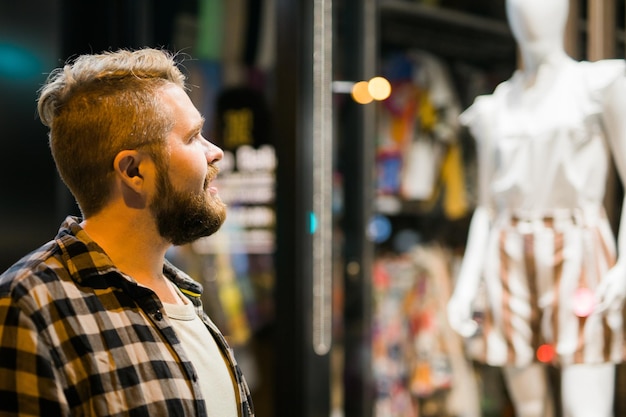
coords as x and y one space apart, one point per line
446 32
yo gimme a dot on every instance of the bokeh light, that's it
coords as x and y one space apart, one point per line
379 228
545 353
379 88
18 62
360 93
584 302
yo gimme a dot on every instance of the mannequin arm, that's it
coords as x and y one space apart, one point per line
460 304
612 289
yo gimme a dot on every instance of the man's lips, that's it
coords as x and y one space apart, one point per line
211 176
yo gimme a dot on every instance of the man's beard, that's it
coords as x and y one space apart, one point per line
183 217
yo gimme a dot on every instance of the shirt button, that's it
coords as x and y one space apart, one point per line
158 316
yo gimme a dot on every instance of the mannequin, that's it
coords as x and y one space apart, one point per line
539 240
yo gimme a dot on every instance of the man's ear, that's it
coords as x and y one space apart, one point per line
129 166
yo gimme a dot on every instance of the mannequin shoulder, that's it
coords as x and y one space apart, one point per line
604 66
487 103
599 75
482 107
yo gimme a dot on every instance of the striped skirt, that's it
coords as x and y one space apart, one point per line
535 273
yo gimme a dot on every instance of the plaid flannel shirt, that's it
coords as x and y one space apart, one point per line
78 337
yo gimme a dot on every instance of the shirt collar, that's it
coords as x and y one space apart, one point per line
84 258
88 264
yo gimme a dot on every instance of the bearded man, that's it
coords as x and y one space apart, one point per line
97 322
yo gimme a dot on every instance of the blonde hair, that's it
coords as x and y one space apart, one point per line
99 105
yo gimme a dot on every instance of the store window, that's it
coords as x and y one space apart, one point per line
439 56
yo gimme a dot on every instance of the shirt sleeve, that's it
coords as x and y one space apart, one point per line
599 76
29 384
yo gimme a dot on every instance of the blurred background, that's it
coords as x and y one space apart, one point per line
331 273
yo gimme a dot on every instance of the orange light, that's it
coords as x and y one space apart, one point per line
545 353
379 88
360 93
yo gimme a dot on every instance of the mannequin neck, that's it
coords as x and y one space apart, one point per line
540 55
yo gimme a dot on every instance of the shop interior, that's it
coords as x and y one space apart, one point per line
347 220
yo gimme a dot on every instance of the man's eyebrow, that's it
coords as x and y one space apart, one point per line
197 127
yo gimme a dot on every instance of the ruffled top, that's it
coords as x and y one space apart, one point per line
544 145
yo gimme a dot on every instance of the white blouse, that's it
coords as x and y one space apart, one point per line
543 147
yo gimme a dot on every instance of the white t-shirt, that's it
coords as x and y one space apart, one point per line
216 381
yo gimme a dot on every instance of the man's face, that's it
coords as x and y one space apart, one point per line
183 217
185 206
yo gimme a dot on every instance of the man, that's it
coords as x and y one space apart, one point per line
97 322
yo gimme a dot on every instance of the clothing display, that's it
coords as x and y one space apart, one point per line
419 157
109 333
550 236
548 140
535 268
419 363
